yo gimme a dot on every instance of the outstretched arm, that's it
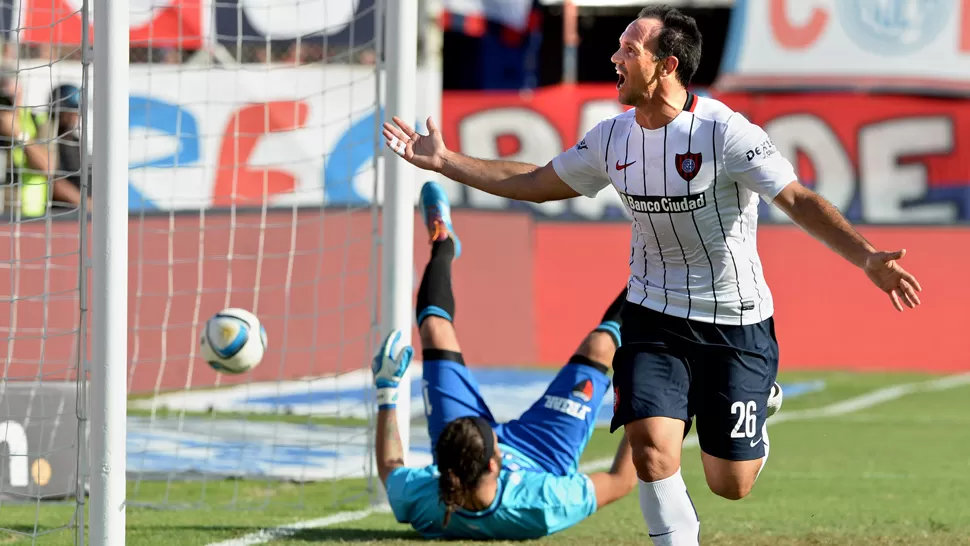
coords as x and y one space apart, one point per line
754 162
620 480
509 179
389 366
387 445
823 221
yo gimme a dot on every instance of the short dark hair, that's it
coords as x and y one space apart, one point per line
462 462
678 38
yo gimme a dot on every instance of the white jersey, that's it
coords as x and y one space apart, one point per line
692 188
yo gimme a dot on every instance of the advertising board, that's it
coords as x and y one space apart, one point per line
917 46
304 135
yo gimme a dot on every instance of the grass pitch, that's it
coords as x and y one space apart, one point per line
895 472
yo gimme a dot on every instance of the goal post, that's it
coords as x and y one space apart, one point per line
108 398
400 65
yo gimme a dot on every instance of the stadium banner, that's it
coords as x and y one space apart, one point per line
916 46
153 23
880 159
198 137
347 23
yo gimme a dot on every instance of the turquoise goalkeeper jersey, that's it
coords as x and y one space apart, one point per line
530 503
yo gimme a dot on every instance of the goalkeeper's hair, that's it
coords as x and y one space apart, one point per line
462 463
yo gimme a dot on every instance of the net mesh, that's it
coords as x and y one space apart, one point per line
42 388
252 175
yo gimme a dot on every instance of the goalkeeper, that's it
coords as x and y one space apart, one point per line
516 480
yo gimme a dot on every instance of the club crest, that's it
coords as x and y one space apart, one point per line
688 165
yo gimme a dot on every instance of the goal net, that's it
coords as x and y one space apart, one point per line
252 183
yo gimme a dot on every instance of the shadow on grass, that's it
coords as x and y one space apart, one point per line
353 535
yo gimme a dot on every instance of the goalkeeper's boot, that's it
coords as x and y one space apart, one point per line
774 399
436 211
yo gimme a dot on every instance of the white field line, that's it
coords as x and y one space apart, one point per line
283 531
851 405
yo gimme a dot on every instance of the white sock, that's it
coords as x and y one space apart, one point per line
669 512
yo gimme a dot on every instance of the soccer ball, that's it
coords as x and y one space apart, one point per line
229 341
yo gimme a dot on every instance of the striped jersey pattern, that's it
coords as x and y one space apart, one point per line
692 189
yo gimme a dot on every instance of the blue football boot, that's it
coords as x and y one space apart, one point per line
436 211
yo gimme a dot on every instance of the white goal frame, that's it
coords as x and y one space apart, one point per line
399 68
109 254
109 334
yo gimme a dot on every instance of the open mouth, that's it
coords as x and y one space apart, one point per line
620 79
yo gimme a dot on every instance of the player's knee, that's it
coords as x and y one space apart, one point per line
730 487
651 461
438 333
598 347
732 480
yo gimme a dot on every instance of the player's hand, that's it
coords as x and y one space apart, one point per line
389 366
884 271
424 151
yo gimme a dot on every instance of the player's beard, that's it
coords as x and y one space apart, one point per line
623 87
631 89
629 93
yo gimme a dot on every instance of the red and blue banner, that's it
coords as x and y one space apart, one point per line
307 135
914 46
882 159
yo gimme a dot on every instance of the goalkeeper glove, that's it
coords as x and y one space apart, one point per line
389 366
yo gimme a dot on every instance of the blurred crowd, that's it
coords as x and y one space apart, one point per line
42 149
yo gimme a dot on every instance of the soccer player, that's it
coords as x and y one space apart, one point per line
510 481
698 334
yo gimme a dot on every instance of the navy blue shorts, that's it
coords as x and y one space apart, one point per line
553 432
719 374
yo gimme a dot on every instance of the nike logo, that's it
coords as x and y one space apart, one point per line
621 167
756 442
